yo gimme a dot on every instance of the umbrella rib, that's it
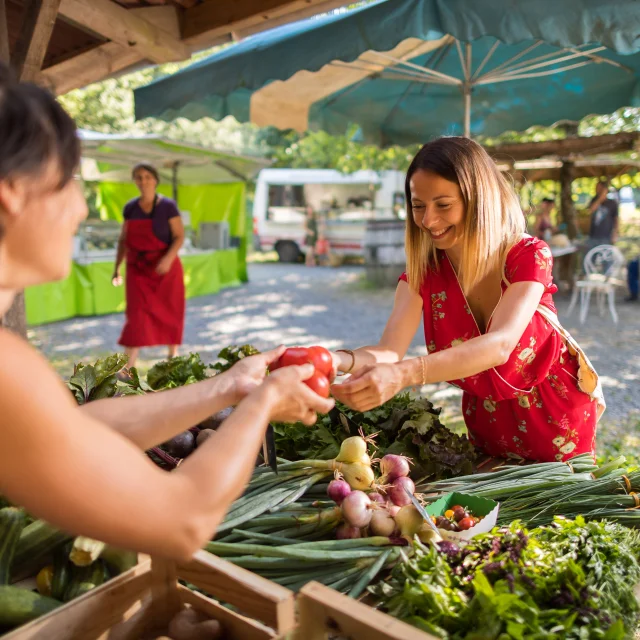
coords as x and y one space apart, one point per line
524 52
614 63
433 62
527 66
416 78
463 62
539 65
423 70
537 74
402 73
486 59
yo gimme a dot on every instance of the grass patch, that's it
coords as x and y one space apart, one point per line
619 438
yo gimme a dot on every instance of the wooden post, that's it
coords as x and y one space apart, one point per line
40 17
567 210
174 180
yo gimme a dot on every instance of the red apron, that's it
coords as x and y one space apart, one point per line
155 303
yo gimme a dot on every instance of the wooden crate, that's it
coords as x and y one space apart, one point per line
324 613
144 599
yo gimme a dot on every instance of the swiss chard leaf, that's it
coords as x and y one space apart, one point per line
82 382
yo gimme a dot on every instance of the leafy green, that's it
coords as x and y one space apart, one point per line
105 378
177 372
569 580
233 354
98 380
405 425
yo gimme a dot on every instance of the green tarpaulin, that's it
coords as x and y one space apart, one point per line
210 186
88 291
205 203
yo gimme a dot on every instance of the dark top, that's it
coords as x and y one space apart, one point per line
165 210
311 233
603 220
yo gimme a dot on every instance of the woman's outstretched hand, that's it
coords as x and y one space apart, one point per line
370 386
290 399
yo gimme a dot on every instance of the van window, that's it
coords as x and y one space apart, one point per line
286 195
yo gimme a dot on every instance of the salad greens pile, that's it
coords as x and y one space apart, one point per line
404 425
105 378
571 579
232 354
177 372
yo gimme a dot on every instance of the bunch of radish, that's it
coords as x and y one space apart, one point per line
386 510
319 357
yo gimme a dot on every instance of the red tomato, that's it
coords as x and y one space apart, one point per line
466 523
292 356
322 360
318 383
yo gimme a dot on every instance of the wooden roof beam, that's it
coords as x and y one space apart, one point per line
214 20
567 147
127 28
40 17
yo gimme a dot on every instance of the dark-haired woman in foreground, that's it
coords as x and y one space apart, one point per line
152 234
83 468
484 289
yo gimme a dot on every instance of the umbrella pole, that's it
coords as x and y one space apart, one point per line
467 110
466 88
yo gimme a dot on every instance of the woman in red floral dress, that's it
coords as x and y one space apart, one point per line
484 290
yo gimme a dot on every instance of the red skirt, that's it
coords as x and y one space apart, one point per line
155 303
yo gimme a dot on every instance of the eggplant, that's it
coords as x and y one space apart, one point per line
214 421
203 436
181 445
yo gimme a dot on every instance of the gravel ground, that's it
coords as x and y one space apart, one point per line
294 304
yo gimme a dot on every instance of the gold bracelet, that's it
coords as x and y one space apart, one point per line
353 359
424 370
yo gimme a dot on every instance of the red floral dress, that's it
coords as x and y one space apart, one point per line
531 406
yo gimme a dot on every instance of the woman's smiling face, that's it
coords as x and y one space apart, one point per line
438 208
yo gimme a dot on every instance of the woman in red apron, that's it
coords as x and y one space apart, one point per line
152 235
483 289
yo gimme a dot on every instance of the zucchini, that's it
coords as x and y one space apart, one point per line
61 571
119 560
12 522
85 551
18 606
37 540
84 579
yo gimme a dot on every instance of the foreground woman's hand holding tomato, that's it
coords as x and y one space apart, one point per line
370 386
321 360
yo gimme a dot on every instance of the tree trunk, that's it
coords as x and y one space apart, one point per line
567 210
29 52
15 318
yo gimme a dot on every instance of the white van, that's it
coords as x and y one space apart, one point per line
343 202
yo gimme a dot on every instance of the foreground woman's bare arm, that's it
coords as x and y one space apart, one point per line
155 418
83 477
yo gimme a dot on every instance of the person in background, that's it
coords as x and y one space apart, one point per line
604 217
152 234
543 226
633 277
84 468
483 290
322 245
310 236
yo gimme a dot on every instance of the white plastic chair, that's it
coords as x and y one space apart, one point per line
602 265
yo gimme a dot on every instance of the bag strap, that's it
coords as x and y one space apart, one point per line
588 379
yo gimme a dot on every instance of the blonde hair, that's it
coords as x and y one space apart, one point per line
493 220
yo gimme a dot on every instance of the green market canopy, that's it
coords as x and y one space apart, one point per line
209 184
408 70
